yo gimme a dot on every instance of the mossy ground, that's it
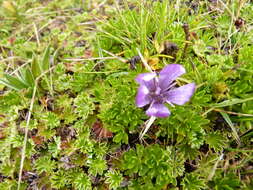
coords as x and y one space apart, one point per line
68 118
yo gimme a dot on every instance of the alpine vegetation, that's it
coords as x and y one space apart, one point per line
126 95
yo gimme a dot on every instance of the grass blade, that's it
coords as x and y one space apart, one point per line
29 77
14 82
231 102
5 83
35 67
45 64
229 122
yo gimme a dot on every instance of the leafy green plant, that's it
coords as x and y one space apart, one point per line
229 181
68 118
23 80
59 179
82 181
97 166
45 164
114 178
26 77
186 125
122 115
193 182
155 166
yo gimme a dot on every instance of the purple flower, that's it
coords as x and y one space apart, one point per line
157 89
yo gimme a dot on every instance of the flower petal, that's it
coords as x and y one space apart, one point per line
147 79
144 77
181 95
169 74
142 97
158 110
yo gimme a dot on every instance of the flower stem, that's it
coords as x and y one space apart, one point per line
144 61
147 125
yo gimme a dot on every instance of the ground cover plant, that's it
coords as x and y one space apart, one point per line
75 115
